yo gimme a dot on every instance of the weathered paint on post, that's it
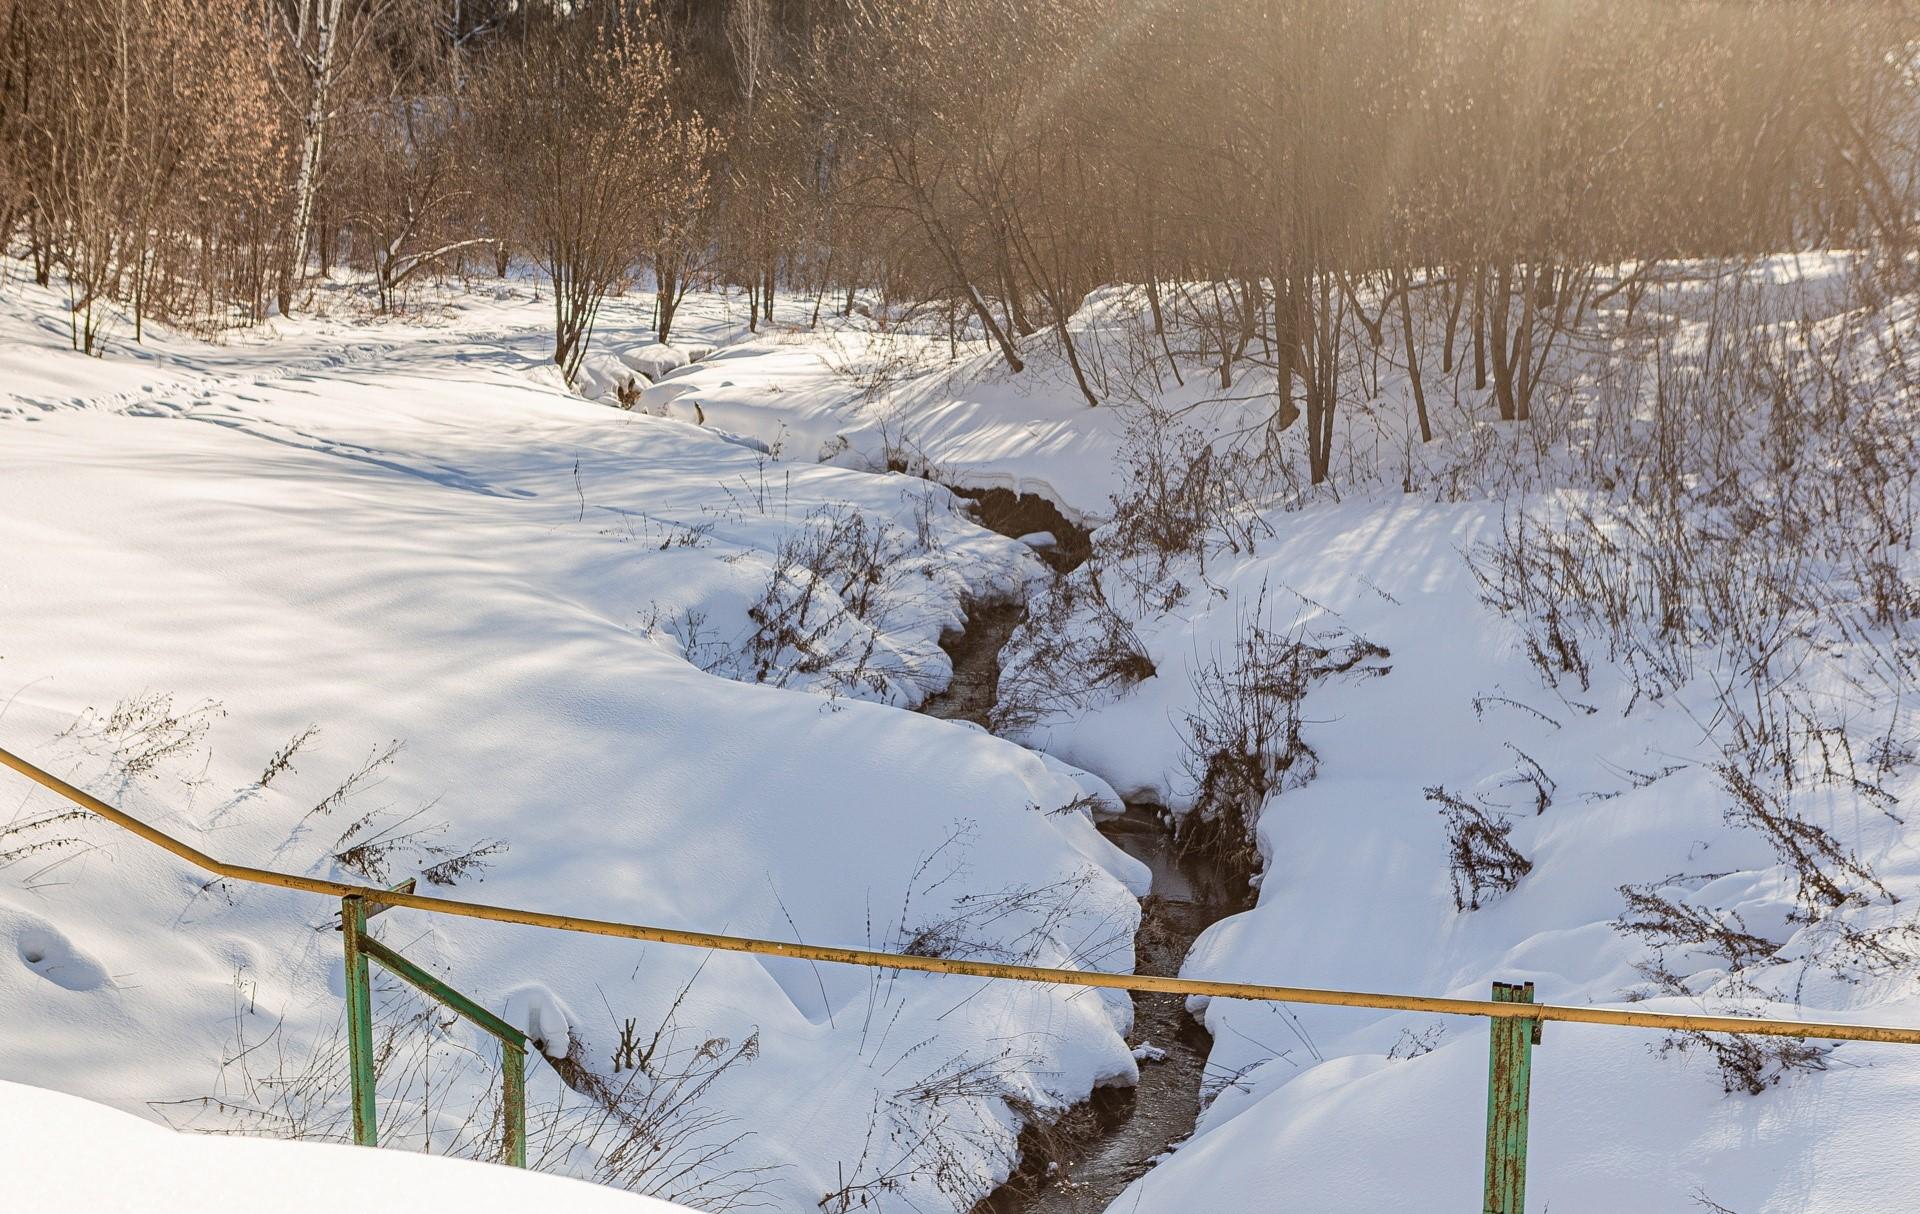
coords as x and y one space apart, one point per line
513 1109
353 927
1509 1078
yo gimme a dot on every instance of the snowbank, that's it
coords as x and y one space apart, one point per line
1431 704
61 1154
856 397
632 671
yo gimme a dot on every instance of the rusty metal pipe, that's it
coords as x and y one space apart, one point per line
978 969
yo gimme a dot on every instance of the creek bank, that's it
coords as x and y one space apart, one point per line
1023 514
1083 1159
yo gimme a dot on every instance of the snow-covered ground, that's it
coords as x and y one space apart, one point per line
1322 1108
871 394
556 655
1705 814
570 615
1707 802
62 1153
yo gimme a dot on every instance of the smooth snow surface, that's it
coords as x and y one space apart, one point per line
65 1155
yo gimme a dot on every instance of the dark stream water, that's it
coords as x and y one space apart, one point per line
1104 1146
1084 1161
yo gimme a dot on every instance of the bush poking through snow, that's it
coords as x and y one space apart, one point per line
374 842
650 1131
1663 923
1074 647
1243 732
1748 1063
282 760
1184 496
1480 861
143 731
25 837
1829 876
837 585
360 779
938 1129
439 1082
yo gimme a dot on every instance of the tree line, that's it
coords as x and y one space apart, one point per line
1275 175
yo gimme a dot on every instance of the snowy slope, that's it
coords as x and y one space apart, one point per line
64 1154
403 535
1356 895
868 395
1604 773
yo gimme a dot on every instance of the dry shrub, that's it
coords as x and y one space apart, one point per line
1663 922
142 731
837 584
1748 1063
1186 495
439 1082
1480 861
1828 876
1243 738
1075 647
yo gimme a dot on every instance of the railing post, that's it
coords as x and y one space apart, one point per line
353 928
513 1111
1509 1075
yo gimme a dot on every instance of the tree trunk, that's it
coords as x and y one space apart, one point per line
1413 359
1480 328
325 16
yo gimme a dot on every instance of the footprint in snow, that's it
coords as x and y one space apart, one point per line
47 952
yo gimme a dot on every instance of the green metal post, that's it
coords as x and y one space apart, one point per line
353 928
513 1065
363 949
1509 1077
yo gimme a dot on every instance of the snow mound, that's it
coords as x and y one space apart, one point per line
654 360
602 377
606 664
65 1155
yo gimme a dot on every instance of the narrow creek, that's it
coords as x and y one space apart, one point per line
1083 1161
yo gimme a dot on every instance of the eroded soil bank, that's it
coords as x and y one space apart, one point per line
1082 1161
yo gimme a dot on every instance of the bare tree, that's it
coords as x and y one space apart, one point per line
589 160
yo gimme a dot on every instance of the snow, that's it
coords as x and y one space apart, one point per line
540 1014
1307 1102
865 397
411 531
61 1153
602 377
655 360
1356 896
403 532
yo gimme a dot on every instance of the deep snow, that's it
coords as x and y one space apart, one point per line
402 532
408 531
61 1153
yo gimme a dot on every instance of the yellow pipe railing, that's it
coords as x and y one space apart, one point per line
979 969
1515 1019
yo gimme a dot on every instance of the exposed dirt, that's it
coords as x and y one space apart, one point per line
1018 514
1082 1160
976 663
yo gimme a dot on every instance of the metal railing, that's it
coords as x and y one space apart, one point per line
1515 1019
